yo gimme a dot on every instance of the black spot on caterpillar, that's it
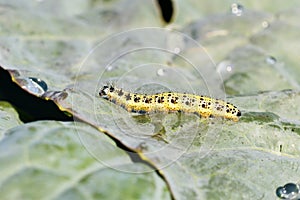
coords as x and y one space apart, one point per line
170 101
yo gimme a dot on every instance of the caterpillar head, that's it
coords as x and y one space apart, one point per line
105 90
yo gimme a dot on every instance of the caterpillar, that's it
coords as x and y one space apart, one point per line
168 101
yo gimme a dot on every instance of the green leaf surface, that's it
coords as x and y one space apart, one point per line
252 57
8 118
219 159
46 160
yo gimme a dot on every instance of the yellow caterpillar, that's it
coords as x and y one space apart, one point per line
169 101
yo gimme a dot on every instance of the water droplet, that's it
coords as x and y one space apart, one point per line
33 85
288 191
161 72
177 50
229 68
225 68
40 82
237 9
109 68
265 24
271 60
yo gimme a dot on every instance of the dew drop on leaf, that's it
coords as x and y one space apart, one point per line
40 82
225 68
237 9
161 72
177 50
271 60
265 24
33 85
288 191
109 68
